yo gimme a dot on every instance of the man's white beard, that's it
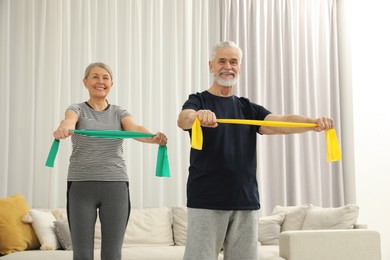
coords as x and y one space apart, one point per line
226 83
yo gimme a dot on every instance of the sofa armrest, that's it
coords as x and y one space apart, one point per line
340 244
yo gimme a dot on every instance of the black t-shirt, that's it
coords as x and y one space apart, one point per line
223 174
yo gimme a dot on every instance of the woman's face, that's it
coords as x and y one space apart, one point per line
98 82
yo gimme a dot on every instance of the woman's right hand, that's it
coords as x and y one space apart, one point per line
69 123
61 133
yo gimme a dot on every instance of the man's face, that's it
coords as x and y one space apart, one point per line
225 67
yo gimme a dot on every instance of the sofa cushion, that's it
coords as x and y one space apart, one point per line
149 226
179 225
15 235
269 229
153 253
331 218
43 224
295 216
269 252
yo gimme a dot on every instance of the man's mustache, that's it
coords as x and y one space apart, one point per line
223 71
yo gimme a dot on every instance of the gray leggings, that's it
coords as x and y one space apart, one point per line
85 199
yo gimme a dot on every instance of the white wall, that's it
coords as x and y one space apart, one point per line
365 57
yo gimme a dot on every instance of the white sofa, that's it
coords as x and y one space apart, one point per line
308 232
160 234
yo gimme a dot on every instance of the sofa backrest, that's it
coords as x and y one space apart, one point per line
146 227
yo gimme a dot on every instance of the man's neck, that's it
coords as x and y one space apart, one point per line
220 91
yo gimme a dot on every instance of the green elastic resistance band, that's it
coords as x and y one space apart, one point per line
162 164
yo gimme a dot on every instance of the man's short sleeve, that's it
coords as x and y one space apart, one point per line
260 111
194 102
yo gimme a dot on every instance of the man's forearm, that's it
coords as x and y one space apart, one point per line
287 130
186 119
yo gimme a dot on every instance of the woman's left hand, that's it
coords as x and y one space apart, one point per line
160 139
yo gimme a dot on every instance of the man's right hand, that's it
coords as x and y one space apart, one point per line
207 118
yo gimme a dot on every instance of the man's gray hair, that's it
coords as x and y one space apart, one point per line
226 44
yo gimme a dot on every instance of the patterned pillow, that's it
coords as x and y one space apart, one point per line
61 228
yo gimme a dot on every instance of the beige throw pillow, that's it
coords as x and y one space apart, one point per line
269 229
179 225
149 226
331 218
295 216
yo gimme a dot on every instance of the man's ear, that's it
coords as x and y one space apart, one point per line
211 67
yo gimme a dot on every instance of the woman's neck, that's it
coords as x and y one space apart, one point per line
98 105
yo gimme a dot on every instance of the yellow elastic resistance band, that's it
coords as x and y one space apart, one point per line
333 152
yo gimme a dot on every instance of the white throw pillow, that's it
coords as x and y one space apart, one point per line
43 224
331 218
295 216
269 229
179 225
149 226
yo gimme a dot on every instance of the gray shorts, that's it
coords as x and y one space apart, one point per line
211 230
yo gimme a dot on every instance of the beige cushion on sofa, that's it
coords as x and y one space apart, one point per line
331 218
269 229
179 225
295 216
149 227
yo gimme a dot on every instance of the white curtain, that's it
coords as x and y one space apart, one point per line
158 51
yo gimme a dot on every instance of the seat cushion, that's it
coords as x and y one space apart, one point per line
269 252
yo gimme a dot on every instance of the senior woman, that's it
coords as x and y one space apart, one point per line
97 177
